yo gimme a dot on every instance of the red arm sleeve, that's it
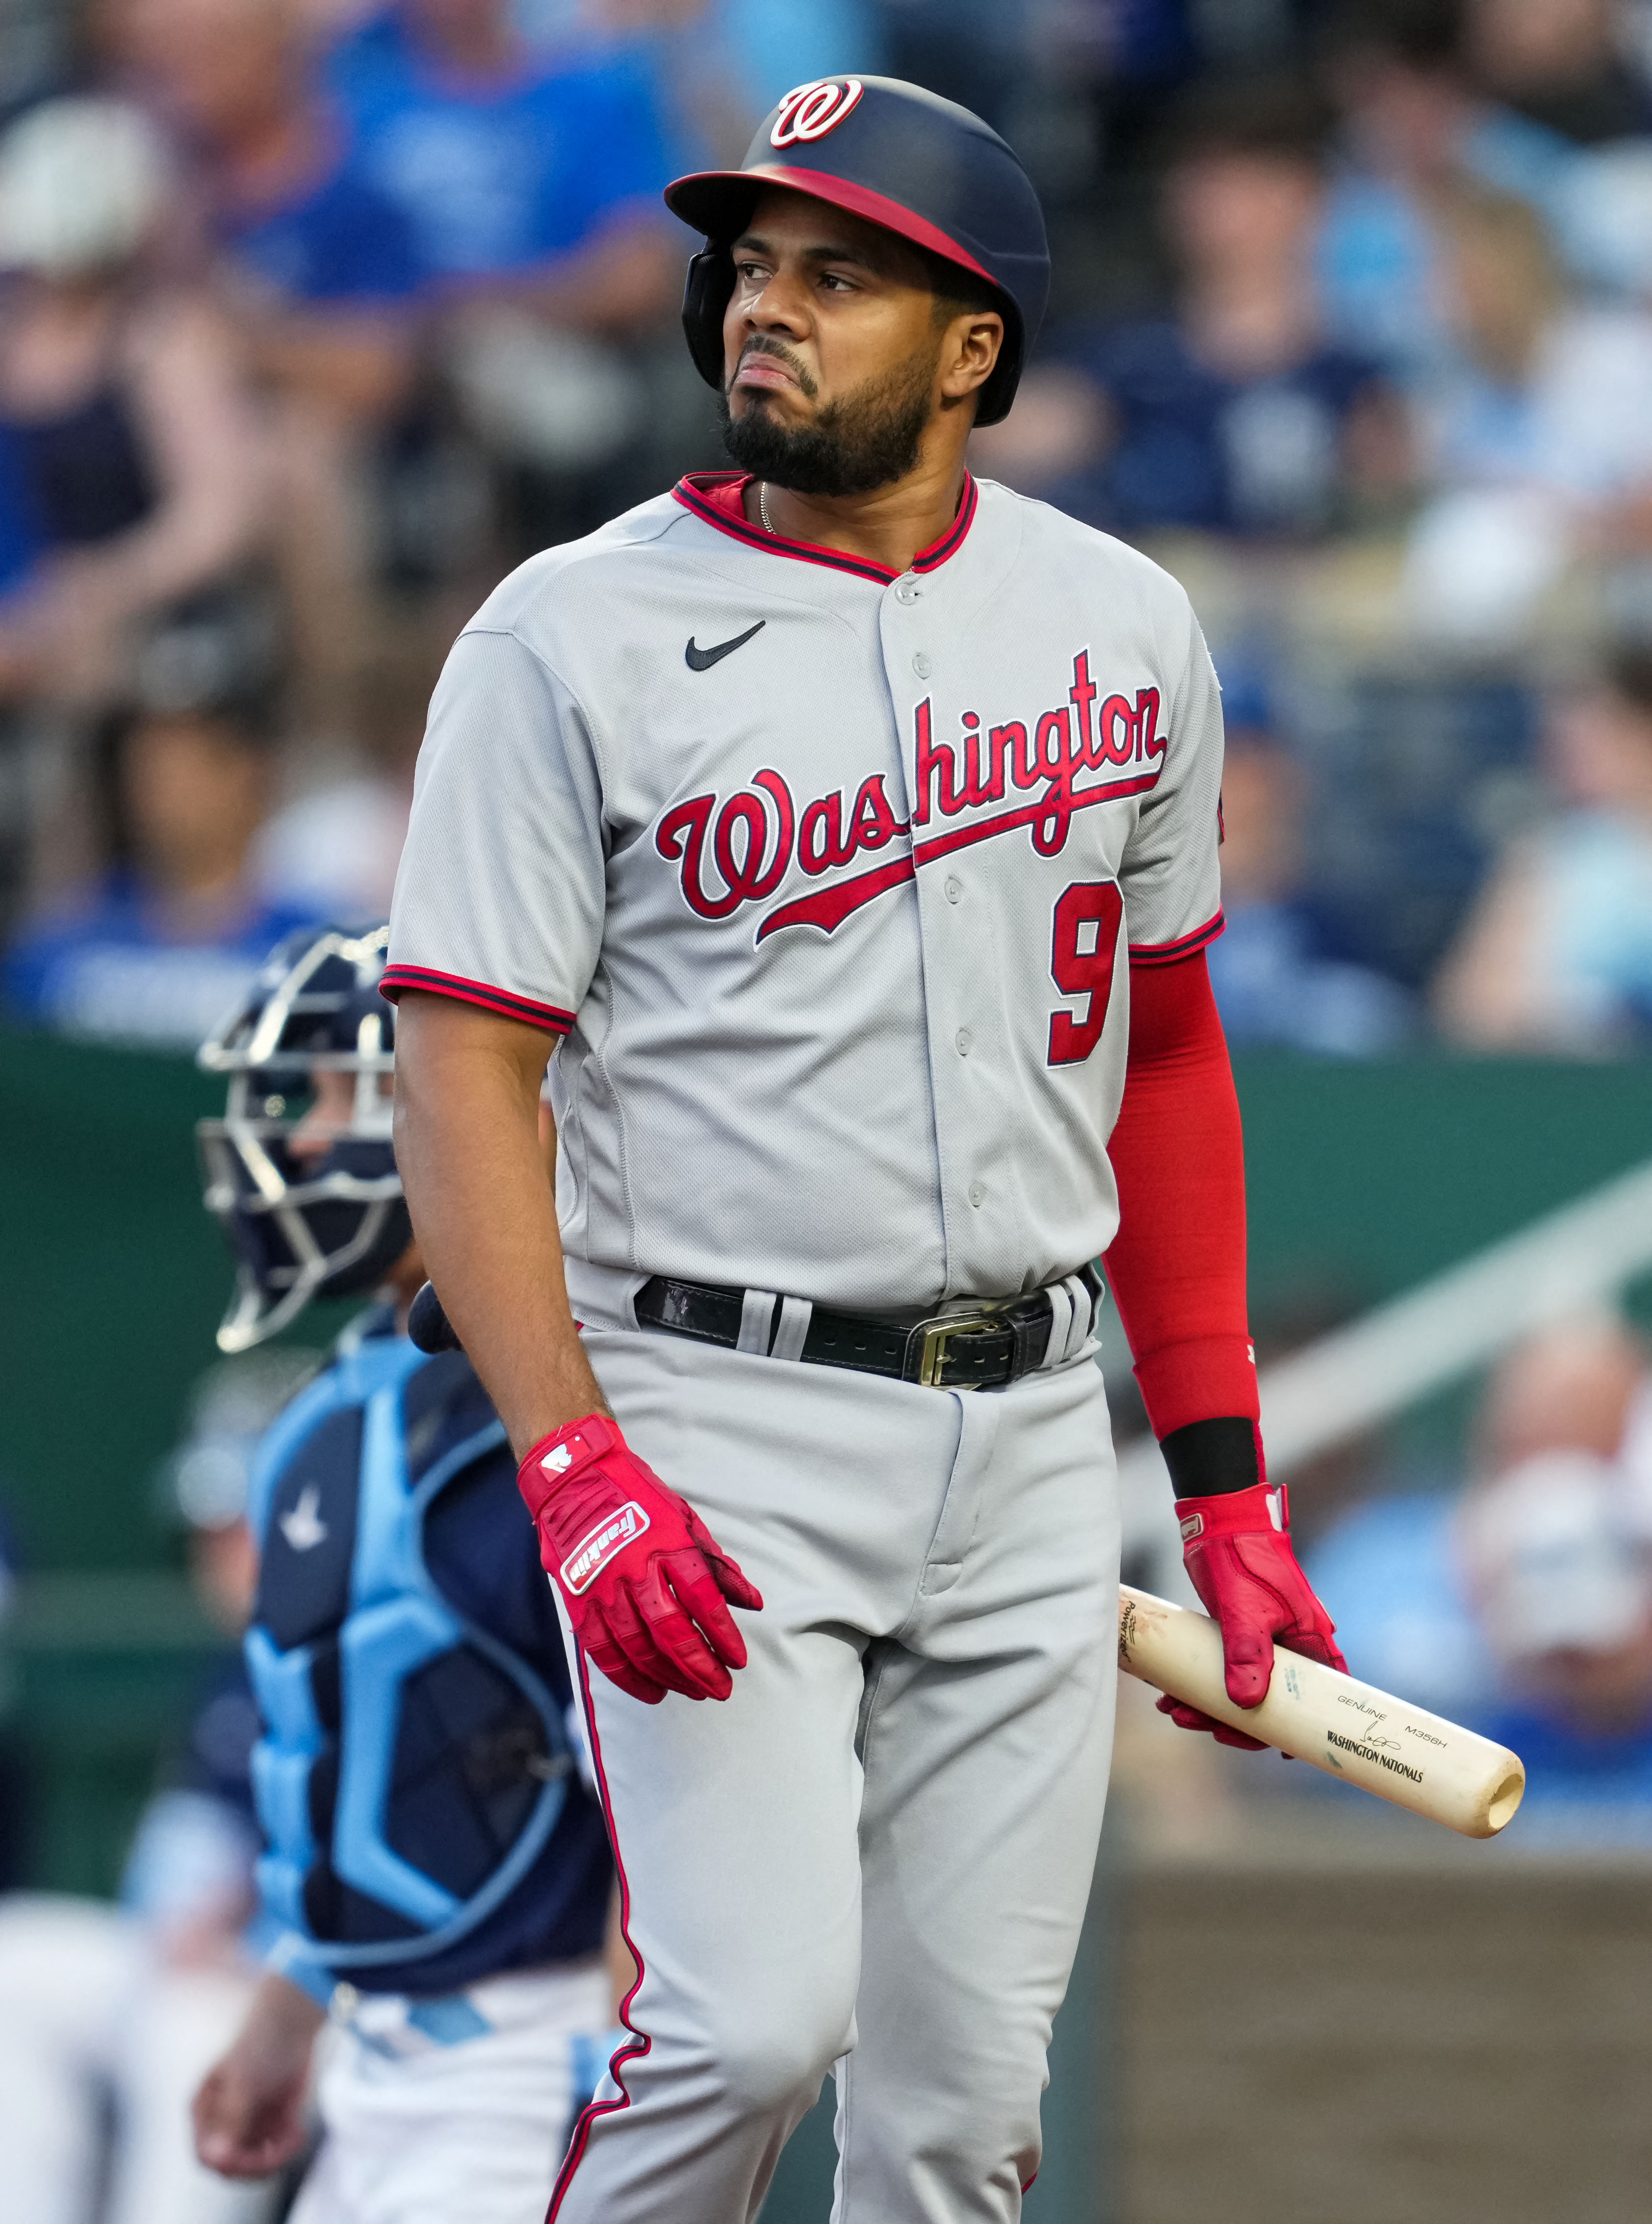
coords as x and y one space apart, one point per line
1177 1264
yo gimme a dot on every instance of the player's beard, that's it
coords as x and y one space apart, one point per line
866 439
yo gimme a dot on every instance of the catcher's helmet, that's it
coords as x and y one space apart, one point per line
303 1226
900 157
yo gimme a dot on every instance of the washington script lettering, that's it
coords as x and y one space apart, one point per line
753 838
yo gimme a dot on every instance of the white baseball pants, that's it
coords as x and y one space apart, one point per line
471 2127
875 1856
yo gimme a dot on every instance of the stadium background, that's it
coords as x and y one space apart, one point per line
1354 330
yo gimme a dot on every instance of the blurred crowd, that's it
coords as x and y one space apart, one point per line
1522 1602
319 315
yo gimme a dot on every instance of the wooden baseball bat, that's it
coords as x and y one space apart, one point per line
1333 1721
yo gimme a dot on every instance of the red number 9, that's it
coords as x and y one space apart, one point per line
1079 971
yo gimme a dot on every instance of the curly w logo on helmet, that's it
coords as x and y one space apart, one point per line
809 111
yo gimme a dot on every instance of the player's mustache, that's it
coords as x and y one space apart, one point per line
759 345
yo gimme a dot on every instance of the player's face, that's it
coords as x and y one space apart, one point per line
834 360
328 1115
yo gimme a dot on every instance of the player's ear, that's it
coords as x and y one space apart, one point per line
969 350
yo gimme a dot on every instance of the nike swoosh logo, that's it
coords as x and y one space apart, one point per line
701 660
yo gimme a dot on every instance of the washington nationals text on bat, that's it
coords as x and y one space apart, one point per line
1333 1721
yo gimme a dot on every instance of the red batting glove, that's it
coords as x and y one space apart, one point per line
1238 1550
643 1580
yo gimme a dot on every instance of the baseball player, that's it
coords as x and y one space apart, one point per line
434 1869
848 827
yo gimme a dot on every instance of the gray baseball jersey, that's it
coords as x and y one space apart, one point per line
827 876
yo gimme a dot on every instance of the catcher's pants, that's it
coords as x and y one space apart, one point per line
457 2110
875 1856
89 2015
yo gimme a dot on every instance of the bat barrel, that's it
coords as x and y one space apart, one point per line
1334 1722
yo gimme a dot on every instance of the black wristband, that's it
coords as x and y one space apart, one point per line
1209 1457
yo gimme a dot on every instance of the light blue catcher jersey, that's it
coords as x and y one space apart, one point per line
424 1822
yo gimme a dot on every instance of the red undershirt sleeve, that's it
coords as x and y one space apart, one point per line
1177 1267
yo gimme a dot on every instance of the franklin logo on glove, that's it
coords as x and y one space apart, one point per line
582 1567
646 1585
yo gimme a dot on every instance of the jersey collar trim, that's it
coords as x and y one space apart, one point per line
699 491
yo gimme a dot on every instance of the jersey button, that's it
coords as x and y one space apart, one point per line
953 890
966 1042
922 666
906 590
976 1193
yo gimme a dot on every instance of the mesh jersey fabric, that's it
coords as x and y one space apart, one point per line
834 927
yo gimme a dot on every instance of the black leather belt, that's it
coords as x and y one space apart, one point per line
985 1348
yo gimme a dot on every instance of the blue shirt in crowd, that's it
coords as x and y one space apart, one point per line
337 239
102 967
499 175
20 540
1604 1778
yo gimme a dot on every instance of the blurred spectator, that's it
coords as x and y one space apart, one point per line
127 458
1572 1387
1563 63
1375 1532
1537 428
1278 971
1413 124
721 65
1547 102
333 849
531 182
116 2012
1238 414
1557 953
1562 1588
1395 1564
1402 1618
535 177
161 944
320 267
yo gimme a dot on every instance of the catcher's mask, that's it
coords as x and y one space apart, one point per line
301 1169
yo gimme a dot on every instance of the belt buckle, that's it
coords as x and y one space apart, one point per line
938 1333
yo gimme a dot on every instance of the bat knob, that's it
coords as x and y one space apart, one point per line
428 1326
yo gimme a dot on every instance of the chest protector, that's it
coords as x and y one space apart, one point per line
413 1766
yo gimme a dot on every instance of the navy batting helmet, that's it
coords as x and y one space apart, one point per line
900 157
329 1223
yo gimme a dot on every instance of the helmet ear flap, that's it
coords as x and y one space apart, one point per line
705 297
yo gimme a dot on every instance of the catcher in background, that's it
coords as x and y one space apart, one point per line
437 1875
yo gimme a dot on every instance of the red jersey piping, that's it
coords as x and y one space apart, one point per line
693 493
636 2043
502 1001
1169 953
